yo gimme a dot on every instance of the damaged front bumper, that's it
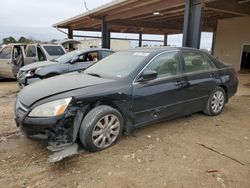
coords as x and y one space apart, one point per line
25 79
59 131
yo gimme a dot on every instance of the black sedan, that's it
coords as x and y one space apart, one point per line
72 61
124 91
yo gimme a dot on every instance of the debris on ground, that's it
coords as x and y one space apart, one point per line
221 181
67 152
7 135
221 153
212 171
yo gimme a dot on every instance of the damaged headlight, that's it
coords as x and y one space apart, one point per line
53 108
33 71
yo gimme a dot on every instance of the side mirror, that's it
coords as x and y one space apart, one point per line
148 75
74 60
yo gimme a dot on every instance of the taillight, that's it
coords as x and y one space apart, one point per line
236 73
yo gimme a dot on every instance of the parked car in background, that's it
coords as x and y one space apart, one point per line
72 61
15 56
124 91
43 52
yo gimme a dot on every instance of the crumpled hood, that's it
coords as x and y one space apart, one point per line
37 65
58 84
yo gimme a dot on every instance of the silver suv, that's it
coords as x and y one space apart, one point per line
14 56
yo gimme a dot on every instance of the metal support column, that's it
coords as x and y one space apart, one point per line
105 34
213 40
140 40
70 33
192 23
165 40
70 36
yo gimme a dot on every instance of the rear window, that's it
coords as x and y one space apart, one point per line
197 62
54 50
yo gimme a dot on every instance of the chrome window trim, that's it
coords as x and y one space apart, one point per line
211 63
173 76
135 82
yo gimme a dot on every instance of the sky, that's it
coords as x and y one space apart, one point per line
34 19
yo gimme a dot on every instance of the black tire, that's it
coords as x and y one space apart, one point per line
209 108
89 126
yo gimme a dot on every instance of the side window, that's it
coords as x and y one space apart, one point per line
81 58
5 53
31 51
92 56
166 64
106 53
197 62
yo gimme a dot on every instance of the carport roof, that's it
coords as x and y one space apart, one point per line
153 16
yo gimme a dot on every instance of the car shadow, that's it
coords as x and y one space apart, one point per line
7 80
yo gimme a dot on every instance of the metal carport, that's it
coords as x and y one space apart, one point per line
189 17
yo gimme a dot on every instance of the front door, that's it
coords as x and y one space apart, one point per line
18 57
162 97
6 62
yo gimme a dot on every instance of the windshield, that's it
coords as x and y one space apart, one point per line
67 57
117 65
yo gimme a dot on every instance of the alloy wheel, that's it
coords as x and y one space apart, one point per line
218 100
106 131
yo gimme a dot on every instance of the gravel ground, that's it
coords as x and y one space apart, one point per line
169 154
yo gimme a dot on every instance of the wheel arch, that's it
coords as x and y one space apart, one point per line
226 91
126 118
111 104
51 74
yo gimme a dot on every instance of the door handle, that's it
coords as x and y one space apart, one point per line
178 83
212 75
181 83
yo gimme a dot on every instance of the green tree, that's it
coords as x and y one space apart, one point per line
8 40
23 40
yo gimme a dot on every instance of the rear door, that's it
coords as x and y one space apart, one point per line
202 76
163 97
6 62
31 54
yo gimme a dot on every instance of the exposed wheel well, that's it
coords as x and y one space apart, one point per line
226 91
98 103
51 74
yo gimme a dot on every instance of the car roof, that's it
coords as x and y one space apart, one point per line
47 44
159 49
94 49
15 44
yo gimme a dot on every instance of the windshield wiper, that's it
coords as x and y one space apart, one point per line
94 74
